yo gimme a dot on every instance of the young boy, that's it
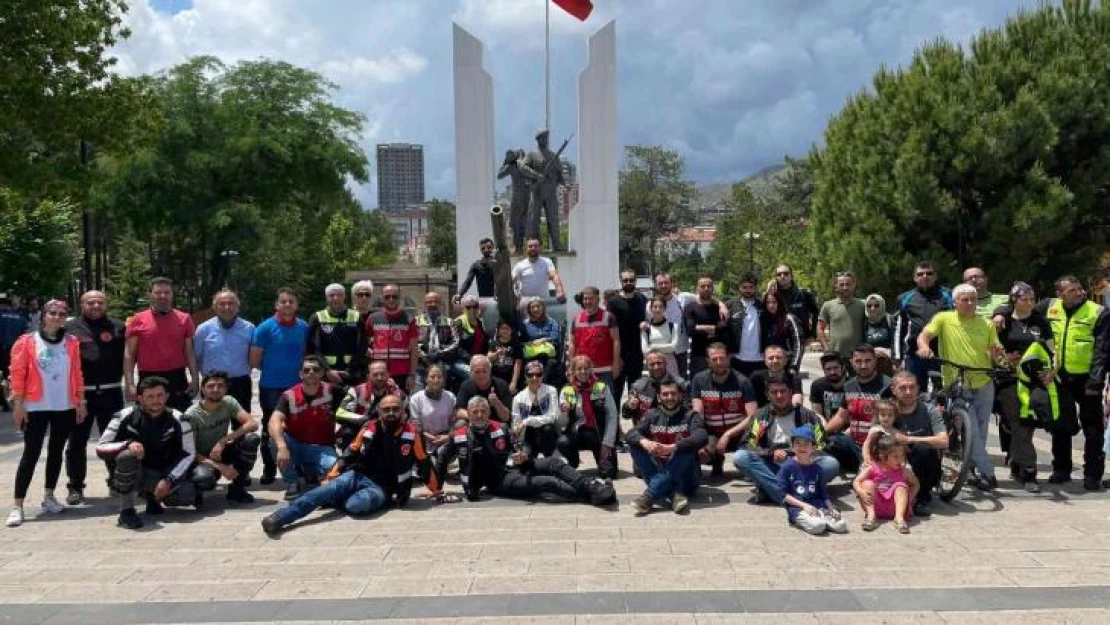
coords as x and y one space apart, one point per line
806 500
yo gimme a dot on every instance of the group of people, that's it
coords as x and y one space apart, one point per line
360 403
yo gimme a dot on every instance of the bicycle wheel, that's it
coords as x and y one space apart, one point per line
955 461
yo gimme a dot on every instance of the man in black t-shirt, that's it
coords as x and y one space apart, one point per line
774 357
853 420
924 432
703 324
826 394
483 384
482 271
629 307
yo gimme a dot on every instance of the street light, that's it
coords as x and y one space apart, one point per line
752 237
229 257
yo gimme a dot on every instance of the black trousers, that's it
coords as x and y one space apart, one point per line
179 387
241 388
541 440
129 479
241 455
102 405
587 438
1090 421
59 422
267 400
632 367
549 476
745 367
925 462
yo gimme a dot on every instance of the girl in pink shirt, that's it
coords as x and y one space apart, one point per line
886 486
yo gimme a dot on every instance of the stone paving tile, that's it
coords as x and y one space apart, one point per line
434 587
1037 577
523 584
581 565
205 591
99 593
636 619
453 567
1073 558
756 619
880 618
23 593
1028 617
331 589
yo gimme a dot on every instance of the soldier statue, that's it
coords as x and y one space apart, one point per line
545 195
521 177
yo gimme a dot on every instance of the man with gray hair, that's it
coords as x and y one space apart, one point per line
362 292
483 384
333 336
223 343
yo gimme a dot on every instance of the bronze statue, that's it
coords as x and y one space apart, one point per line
521 177
502 278
545 195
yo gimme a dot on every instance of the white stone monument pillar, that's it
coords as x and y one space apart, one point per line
594 220
474 148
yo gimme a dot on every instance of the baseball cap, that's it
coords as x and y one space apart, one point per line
804 432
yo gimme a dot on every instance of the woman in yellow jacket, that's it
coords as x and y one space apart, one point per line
48 392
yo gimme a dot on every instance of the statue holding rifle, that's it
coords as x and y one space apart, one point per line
545 188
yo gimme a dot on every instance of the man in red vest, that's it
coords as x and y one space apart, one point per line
594 333
302 429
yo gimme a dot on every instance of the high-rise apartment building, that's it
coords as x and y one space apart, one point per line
400 175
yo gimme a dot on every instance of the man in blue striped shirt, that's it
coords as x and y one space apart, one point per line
223 343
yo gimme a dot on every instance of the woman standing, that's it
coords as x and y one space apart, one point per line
1021 327
778 327
660 335
878 332
47 393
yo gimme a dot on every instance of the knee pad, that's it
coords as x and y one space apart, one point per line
205 478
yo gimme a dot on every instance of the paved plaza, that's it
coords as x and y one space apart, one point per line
976 560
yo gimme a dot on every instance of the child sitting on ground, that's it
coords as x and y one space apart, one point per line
886 486
885 416
803 484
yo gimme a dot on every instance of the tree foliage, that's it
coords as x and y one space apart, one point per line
442 250
37 243
654 202
998 156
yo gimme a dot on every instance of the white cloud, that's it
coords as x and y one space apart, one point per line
392 68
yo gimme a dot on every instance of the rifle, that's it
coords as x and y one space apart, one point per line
548 164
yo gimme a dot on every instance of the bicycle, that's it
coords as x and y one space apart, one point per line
956 410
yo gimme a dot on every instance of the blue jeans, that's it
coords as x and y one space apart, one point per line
681 473
267 401
846 451
306 459
982 405
351 491
764 471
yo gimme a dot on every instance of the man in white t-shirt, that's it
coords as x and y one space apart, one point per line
531 275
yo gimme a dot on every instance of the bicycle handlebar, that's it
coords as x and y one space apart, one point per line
960 367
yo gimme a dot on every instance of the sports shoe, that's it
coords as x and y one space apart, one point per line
643 503
680 503
153 506
986 484
272 524
51 505
129 519
75 497
1031 486
921 510
1059 478
292 491
601 494
1092 483
238 494
268 476
15 517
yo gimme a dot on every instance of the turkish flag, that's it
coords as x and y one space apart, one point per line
578 8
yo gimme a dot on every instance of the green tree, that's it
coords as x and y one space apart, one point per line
654 202
441 234
995 156
37 244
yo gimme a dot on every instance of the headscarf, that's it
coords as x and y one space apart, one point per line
875 315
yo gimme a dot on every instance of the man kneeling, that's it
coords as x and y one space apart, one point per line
374 470
225 437
149 452
487 460
665 447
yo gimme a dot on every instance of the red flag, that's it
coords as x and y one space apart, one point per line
578 8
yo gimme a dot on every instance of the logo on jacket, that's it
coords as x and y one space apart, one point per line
405 449
500 444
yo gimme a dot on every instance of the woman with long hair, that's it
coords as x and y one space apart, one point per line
778 327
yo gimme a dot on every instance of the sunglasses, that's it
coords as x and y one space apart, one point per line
56 313
628 281
391 296
311 369
362 295
873 306
534 374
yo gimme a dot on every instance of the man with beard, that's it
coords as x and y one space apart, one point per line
438 338
393 337
375 470
801 303
160 342
360 404
149 452
225 438
703 324
644 393
481 271
774 359
487 460
223 343
726 400
744 328
675 303
826 394
665 446
915 309
923 430
102 340
302 429
849 426
629 307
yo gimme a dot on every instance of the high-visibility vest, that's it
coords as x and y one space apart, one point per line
332 328
1075 335
1036 351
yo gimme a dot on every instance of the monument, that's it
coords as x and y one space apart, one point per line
592 257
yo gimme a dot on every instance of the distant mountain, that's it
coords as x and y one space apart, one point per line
762 183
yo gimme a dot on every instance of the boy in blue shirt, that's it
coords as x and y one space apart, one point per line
803 483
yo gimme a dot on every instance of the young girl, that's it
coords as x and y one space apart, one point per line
886 415
886 487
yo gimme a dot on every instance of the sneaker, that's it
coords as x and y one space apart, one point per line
680 503
643 503
153 506
602 494
129 519
1092 483
760 498
51 505
269 474
1031 486
1059 478
272 524
986 484
15 517
75 497
238 494
292 491
921 510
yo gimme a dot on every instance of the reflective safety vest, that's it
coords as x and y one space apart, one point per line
1075 335
570 395
310 421
338 336
539 349
1036 351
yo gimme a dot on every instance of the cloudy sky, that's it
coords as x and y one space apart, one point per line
733 85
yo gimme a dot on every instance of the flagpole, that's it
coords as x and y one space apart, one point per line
547 64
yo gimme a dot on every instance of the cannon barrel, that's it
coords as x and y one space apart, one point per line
502 266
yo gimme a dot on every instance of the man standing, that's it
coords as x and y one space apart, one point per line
676 302
545 163
985 301
915 309
223 343
481 271
225 438
726 399
744 313
594 333
629 307
665 446
531 275
102 339
849 425
702 322
970 340
160 342
841 321
276 350
393 337
149 452
12 326
801 303
333 336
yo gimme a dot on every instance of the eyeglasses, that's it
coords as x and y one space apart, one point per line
391 296
535 374
925 274
311 369
362 295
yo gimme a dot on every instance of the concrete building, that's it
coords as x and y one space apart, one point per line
568 192
408 223
400 175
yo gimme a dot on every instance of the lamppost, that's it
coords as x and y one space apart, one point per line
229 257
752 237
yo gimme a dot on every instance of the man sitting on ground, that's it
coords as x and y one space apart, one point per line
225 438
665 446
302 430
